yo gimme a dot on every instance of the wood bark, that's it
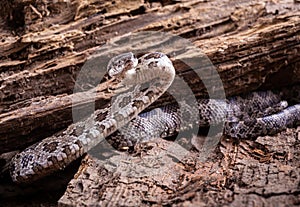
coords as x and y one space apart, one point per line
253 45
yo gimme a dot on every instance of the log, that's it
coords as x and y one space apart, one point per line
46 45
232 174
36 89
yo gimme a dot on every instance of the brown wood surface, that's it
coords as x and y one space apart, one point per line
252 44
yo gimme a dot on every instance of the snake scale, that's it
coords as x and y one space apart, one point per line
140 81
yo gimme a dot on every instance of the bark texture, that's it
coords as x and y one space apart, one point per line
252 44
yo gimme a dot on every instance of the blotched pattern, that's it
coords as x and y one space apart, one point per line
139 83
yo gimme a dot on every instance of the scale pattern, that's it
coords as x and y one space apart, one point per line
139 83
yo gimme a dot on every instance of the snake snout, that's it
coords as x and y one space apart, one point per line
121 63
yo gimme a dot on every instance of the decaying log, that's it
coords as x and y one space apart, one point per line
244 59
252 44
258 173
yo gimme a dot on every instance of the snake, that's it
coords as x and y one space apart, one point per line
138 83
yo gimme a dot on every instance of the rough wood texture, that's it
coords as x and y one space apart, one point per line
261 173
39 66
252 44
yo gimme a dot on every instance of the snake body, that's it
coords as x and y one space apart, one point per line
139 83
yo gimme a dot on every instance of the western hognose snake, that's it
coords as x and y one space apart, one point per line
140 82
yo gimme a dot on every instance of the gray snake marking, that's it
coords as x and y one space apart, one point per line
139 83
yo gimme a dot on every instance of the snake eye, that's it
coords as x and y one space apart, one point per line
120 63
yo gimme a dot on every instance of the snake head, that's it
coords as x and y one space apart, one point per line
129 71
121 63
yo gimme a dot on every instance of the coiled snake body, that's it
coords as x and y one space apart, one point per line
139 83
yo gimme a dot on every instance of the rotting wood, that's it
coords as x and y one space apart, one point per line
233 174
245 65
253 44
